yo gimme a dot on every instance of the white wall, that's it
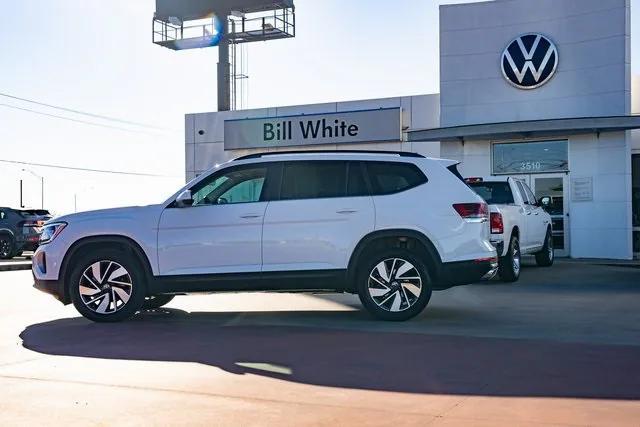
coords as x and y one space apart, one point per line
602 228
593 75
204 151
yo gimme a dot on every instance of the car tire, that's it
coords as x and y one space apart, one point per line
107 285
546 256
510 265
394 284
156 301
7 248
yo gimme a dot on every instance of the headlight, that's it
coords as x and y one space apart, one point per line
51 231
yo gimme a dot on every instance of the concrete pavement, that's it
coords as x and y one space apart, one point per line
560 347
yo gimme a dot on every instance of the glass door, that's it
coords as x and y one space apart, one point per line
635 198
555 186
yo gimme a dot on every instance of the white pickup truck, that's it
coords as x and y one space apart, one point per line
519 224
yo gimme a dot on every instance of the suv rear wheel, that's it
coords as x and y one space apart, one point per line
394 285
6 246
107 286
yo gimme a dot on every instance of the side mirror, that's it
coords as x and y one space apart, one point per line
545 201
184 199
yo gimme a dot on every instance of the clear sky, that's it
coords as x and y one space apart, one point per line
96 56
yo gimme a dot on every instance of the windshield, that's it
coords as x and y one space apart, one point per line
494 193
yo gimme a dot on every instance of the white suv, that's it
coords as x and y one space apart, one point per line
390 227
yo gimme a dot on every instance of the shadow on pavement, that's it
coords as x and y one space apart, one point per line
360 359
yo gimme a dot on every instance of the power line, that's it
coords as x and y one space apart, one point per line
68 118
84 113
45 165
77 120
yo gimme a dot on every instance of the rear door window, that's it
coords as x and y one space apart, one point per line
356 183
313 179
393 177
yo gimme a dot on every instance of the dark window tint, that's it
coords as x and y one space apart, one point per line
356 185
313 179
494 193
392 177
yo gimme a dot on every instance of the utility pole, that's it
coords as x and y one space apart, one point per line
224 78
41 187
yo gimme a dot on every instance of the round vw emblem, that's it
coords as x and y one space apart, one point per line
529 61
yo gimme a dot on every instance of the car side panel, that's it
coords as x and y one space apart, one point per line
429 210
314 234
137 224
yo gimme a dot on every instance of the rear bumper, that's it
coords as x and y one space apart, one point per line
499 245
467 272
52 287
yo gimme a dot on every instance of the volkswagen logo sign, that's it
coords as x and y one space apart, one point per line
529 61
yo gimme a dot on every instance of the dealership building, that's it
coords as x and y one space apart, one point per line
541 90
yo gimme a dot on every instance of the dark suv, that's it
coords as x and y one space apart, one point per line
20 230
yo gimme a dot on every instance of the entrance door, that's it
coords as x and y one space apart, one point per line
554 186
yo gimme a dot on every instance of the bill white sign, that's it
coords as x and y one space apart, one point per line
330 128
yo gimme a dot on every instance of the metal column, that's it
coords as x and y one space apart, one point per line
224 80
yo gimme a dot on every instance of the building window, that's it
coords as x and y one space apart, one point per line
635 197
530 157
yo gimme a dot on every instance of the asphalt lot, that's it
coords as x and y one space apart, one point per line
17 263
560 347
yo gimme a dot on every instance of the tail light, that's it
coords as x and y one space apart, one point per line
497 226
31 224
472 211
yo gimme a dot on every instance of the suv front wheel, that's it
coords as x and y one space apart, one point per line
107 286
394 285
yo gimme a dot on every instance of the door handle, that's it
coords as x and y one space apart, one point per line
346 211
249 216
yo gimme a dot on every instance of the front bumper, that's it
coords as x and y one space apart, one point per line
52 287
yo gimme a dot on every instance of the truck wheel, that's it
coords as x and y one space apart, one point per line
156 301
510 264
545 257
394 285
107 285
6 246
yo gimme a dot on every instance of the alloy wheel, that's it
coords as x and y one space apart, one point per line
105 287
550 247
395 284
516 259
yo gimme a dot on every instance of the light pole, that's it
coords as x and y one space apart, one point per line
41 186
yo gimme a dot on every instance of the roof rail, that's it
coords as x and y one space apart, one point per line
275 153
